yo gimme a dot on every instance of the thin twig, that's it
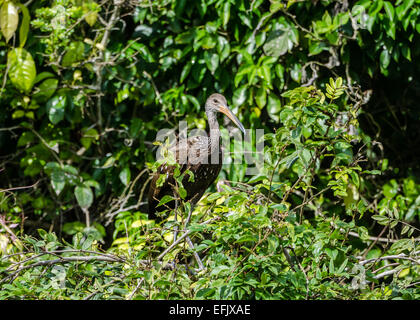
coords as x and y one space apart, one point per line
402 256
20 188
130 296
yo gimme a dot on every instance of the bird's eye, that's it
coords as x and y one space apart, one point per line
215 100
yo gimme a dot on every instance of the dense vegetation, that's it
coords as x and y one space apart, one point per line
85 87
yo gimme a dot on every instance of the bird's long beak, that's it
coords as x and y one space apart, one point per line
232 117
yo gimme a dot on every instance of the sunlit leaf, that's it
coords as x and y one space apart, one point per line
46 89
226 13
280 40
84 196
56 108
58 180
212 61
24 27
273 107
9 19
22 70
125 176
239 96
385 58
261 97
74 53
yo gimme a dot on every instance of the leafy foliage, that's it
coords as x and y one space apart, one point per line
334 212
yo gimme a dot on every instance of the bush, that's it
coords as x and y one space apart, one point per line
334 213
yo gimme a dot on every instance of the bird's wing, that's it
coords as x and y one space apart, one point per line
195 148
191 150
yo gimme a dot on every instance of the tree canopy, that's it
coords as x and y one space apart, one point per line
333 213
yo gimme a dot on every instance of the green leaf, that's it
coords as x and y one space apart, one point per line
247 238
30 115
74 54
43 75
290 160
165 199
278 43
70 169
273 107
296 72
343 266
25 138
72 228
385 58
401 245
125 176
329 89
305 155
239 96
276 6
51 166
402 9
214 196
212 61
223 48
265 73
93 184
22 70
91 17
84 196
18 114
9 19
390 189
317 47
58 180
355 178
194 102
406 52
90 10
375 8
372 172
24 27
279 206
56 108
89 136
108 163
185 71
46 89
405 229
389 9
306 131
182 192
226 13
261 97
381 219
331 266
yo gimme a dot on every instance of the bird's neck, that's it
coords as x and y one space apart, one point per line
214 130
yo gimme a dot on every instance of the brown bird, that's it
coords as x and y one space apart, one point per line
202 155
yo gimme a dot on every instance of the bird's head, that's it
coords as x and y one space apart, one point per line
217 103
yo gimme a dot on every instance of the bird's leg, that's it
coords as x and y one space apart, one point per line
189 215
176 219
175 226
190 243
196 256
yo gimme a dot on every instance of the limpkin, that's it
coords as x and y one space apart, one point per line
206 150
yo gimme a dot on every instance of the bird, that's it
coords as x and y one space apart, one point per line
201 155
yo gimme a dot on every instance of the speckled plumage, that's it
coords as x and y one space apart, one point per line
205 150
